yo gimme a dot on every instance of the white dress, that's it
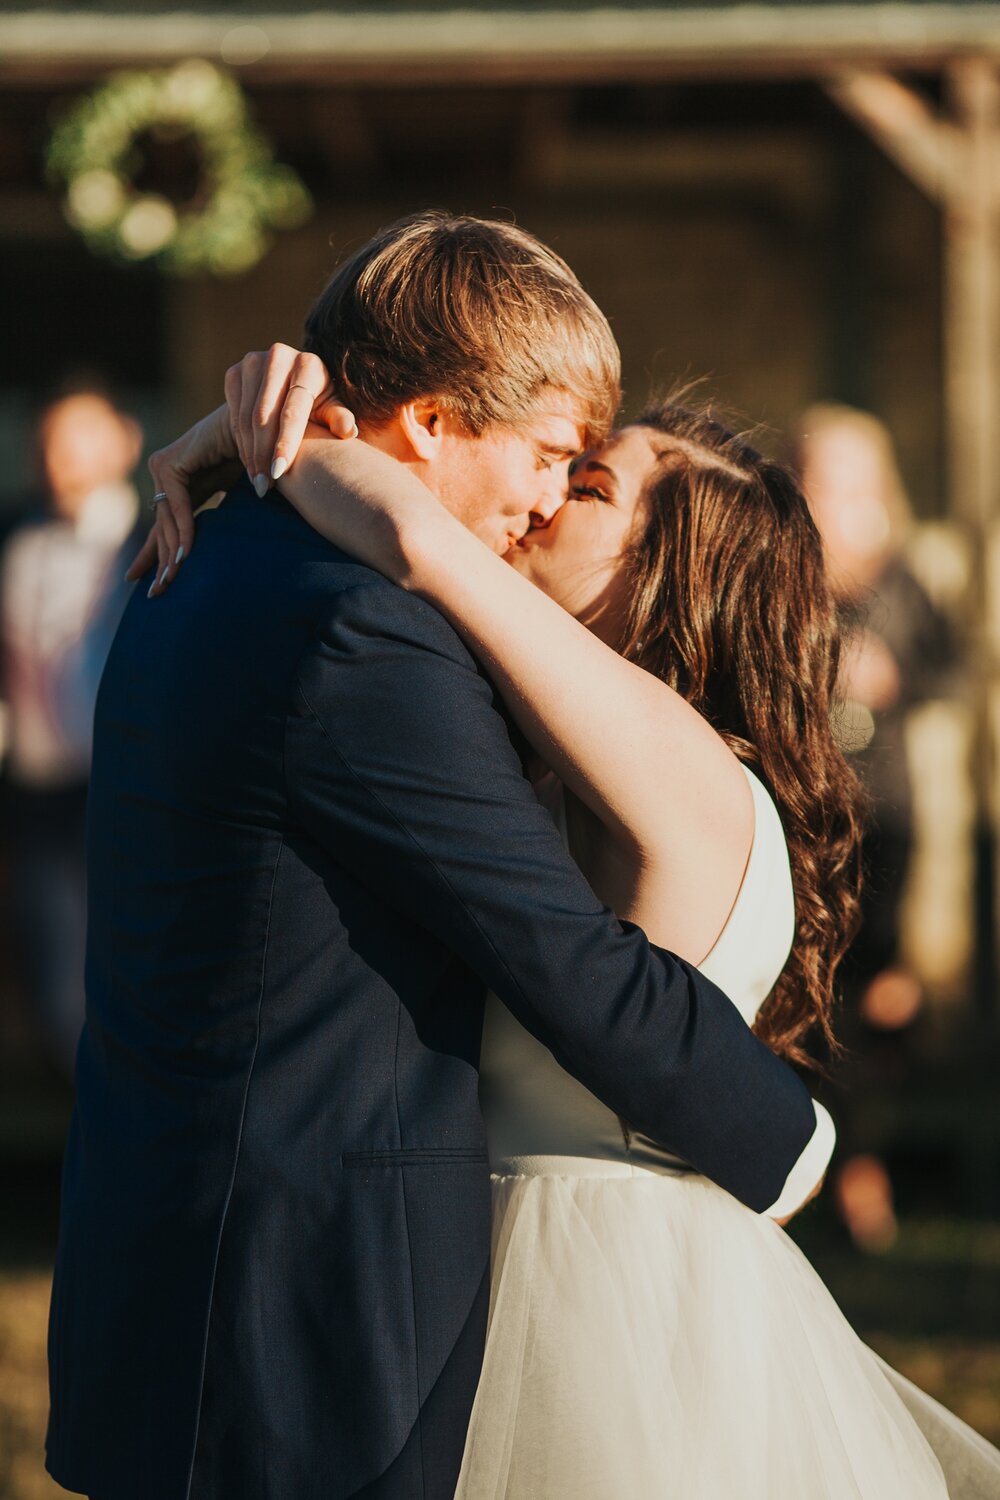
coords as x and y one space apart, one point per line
650 1336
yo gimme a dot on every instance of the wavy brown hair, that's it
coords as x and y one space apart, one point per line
731 606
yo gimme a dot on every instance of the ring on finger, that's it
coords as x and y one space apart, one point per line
158 499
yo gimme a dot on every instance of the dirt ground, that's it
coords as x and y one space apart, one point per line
24 1396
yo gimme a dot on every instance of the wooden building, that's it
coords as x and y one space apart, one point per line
711 171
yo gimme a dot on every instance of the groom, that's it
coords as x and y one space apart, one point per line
311 847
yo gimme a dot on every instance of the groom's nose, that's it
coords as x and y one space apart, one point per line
546 506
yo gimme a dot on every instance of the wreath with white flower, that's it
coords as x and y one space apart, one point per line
226 191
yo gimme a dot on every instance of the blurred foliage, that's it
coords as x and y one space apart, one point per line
192 122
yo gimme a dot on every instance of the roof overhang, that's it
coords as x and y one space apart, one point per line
546 43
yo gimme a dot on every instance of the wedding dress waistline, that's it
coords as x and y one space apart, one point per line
586 1166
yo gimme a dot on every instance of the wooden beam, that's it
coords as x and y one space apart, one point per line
926 147
517 42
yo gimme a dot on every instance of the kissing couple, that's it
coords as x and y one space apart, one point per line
470 856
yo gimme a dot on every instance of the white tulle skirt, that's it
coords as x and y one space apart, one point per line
650 1337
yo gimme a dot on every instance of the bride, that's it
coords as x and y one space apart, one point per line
649 1336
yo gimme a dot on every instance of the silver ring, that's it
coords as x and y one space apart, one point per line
158 499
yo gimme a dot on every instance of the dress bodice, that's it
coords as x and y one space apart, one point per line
533 1108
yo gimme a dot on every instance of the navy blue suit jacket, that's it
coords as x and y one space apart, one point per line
311 846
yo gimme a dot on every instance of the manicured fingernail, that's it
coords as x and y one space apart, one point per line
260 484
354 430
164 575
180 557
278 468
152 586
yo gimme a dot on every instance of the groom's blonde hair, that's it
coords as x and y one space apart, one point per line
471 312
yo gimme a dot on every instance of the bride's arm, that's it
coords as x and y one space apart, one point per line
632 750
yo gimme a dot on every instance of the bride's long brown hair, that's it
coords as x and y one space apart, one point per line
730 605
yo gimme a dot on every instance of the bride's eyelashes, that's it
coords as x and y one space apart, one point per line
580 491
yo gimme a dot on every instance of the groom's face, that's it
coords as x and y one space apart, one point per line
509 479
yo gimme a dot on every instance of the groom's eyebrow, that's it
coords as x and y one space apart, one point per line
560 450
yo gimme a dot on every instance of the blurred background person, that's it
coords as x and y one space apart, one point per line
61 593
900 652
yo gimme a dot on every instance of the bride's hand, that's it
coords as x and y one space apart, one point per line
271 396
185 473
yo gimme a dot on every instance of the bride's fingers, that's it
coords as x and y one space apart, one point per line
145 558
273 382
336 418
270 396
295 416
252 373
177 524
280 383
308 382
167 545
174 526
233 388
265 378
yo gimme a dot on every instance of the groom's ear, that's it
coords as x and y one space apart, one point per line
423 425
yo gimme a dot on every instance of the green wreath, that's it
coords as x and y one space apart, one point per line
239 193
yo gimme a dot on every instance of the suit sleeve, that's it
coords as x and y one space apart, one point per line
399 762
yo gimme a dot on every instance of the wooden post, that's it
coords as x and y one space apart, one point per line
972 356
972 329
955 159
957 163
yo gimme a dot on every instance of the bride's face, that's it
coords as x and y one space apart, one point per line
578 558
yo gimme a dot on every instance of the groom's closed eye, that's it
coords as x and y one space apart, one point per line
549 457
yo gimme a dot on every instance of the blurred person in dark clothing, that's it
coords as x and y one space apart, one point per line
899 653
62 591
